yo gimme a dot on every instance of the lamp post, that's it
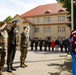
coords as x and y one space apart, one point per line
72 21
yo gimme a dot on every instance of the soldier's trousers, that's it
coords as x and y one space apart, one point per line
23 56
11 54
2 59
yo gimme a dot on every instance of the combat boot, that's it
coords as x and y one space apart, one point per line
25 65
21 65
9 68
12 68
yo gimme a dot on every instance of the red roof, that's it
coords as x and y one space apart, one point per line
43 9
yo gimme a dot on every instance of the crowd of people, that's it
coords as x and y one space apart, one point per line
50 45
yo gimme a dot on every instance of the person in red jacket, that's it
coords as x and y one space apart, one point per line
73 40
52 45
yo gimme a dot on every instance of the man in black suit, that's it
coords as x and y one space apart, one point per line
36 44
40 44
45 44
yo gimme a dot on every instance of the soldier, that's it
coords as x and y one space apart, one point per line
12 43
3 42
24 44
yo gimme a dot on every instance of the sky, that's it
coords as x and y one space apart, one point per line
13 7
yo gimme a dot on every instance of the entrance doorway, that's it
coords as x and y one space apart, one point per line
49 38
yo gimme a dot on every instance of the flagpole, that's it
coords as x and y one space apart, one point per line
72 20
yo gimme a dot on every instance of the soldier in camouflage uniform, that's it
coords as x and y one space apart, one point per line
12 43
3 41
24 44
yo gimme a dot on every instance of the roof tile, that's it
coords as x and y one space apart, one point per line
42 9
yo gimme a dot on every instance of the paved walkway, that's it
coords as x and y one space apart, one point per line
39 63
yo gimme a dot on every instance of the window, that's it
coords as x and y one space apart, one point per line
59 18
48 11
36 29
59 29
63 18
46 29
45 19
49 19
38 19
63 29
61 10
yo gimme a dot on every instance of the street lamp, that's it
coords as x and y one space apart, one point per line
72 21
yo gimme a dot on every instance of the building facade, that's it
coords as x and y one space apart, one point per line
45 21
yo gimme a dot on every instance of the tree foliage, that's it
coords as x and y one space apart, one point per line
7 19
67 4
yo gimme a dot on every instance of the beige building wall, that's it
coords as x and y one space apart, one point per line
53 17
30 19
67 31
46 34
41 33
53 32
53 25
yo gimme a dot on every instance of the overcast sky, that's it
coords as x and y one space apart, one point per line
13 7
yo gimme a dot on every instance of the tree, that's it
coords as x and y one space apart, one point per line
67 4
7 19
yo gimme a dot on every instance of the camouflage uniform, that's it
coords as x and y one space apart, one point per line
12 43
24 43
2 49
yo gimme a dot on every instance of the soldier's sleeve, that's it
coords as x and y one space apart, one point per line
9 28
22 36
3 34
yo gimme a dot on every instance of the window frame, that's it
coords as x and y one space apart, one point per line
59 29
36 30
